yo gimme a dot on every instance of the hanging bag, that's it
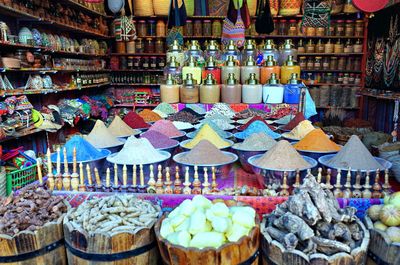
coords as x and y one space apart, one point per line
176 20
317 14
264 21
201 8
236 22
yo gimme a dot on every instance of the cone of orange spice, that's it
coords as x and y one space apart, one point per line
149 116
317 140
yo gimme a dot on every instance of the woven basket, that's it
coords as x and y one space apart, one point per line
143 8
218 7
290 7
9 62
189 4
274 5
161 7
252 6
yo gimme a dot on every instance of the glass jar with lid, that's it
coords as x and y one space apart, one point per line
329 78
292 29
160 31
358 47
349 8
357 64
231 50
318 63
175 50
310 47
249 50
300 47
169 90
342 63
339 28
216 28
334 63
139 46
189 91
348 48
252 90
149 45
359 28
276 25
153 62
338 47
231 91
207 31
331 30
141 28
319 47
349 28
159 46
137 62
320 31
329 47
188 29
197 28
350 63
212 50
325 63
287 50
310 31
151 28
195 51
173 68
282 27
303 62
269 49
146 62
310 63
209 91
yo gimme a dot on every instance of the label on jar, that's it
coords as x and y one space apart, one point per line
325 65
161 64
153 65
145 65
317 65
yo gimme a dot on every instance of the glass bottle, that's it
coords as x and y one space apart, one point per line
175 50
300 47
310 47
318 63
292 31
188 28
195 51
212 50
359 28
358 47
249 50
249 67
286 51
268 68
269 49
282 27
192 68
231 91
209 90
230 67
173 68
212 68
170 90
288 69
189 91
329 47
348 48
231 50
273 91
252 90
338 47
292 90
319 47
303 62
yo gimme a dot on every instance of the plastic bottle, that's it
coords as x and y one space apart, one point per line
231 50
269 50
231 91
230 67
175 50
286 51
212 68
249 50
288 69
273 91
170 90
268 68
192 68
252 91
189 91
248 68
292 90
209 91
174 69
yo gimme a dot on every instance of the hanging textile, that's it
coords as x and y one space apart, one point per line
176 20
235 23
316 13
264 21
201 8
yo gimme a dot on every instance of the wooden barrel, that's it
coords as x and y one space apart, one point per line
43 246
243 252
274 253
139 248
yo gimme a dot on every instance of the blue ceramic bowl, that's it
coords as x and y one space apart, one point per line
244 155
324 161
183 143
272 175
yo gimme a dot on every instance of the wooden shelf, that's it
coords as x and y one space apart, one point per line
133 84
302 37
331 54
331 71
138 54
394 96
138 70
84 8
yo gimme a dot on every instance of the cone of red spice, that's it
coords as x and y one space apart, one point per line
255 118
294 122
135 121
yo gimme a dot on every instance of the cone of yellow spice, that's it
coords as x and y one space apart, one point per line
301 130
207 133
317 140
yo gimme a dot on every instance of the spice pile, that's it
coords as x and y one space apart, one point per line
136 152
161 114
185 115
218 116
257 127
221 123
167 128
119 128
207 133
354 155
311 221
117 213
282 157
301 130
257 142
32 208
101 137
204 153
294 122
165 108
222 109
250 121
317 140
285 119
214 126
250 112
180 125
149 116
84 150
198 108
135 121
159 140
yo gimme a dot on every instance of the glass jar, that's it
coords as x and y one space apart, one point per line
151 28
310 63
276 25
349 28
130 46
249 67
146 63
231 91
325 63
341 63
346 79
174 69
207 28
319 47
359 28
141 28
338 47
282 27
137 63
216 28
358 47
339 28
159 47
209 90
188 29
348 48
329 47
357 79
340 78
197 28
153 62
351 79
350 63
349 8
331 30
320 31
269 49
212 68
252 91
310 31
160 31
300 47
357 64
292 31
169 91
160 62
130 62
318 63
189 91
139 45
303 62
268 69
334 63
310 47
288 69
329 78
273 91
230 67
287 49
149 45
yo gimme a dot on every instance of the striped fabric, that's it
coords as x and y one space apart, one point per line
235 32
201 8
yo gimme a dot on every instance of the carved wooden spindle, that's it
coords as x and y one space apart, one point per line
142 184
328 184
116 182
338 187
107 187
187 189
347 192
297 181
196 182
159 183
59 180
366 193
74 175
214 184
386 186
377 193
177 182
99 186
168 182
357 186
90 186
82 186
151 184
319 176
284 187
206 184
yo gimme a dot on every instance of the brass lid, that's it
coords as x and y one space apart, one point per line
211 62
250 61
300 44
170 80
231 46
252 79
288 44
192 62
273 80
269 45
270 61
212 46
189 81
293 79
310 42
194 45
173 63
175 46
249 45
210 80
231 79
289 61
231 61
